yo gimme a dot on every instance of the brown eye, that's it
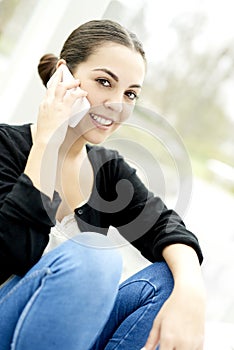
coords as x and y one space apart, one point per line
104 82
131 95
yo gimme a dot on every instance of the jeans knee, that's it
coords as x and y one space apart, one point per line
155 279
162 278
89 255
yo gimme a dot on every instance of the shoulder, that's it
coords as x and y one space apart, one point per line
110 160
10 129
103 152
19 134
100 155
15 145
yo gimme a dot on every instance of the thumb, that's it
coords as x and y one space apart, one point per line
154 336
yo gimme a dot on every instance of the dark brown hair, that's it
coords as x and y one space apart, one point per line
83 42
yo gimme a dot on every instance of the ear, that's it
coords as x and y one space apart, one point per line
60 61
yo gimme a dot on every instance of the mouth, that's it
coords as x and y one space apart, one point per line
100 121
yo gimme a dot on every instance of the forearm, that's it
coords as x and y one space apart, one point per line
49 134
26 218
41 167
181 321
184 265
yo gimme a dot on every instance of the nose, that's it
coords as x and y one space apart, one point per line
114 105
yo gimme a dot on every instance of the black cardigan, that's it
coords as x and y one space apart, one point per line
118 198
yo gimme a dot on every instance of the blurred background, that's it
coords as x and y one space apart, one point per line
184 120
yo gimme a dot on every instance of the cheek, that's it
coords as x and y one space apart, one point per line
94 96
127 111
95 100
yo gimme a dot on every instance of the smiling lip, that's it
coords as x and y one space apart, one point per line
100 121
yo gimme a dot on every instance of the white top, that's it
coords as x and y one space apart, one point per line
59 233
68 228
62 231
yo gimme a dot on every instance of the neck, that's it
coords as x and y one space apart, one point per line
73 145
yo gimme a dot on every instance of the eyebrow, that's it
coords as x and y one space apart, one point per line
114 76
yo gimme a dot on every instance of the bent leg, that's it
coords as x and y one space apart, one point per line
64 300
138 302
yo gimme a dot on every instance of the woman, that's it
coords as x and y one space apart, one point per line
55 178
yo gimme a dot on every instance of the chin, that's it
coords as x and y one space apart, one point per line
95 139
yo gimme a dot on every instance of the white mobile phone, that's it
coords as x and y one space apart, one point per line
81 106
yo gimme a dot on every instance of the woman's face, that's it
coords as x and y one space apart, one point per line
113 77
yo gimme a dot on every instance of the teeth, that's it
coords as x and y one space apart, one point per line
101 120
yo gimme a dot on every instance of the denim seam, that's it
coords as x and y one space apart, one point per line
6 281
27 308
22 281
135 324
140 280
145 311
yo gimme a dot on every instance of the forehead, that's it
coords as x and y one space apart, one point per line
121 60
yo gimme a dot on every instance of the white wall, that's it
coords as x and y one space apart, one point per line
50 24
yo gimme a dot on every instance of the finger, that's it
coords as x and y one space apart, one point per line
53 86
154 336
67 89
55 79
72 84
170 342
167 344
75 94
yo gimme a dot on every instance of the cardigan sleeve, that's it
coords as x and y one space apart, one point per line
26 214
145 220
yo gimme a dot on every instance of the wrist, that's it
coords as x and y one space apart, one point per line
191 286
46 143
46 137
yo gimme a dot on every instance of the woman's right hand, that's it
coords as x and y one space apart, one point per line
55 109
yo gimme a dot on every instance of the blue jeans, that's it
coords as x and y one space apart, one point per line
70 300
137 304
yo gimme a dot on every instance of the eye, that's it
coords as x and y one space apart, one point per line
131 95
104 82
